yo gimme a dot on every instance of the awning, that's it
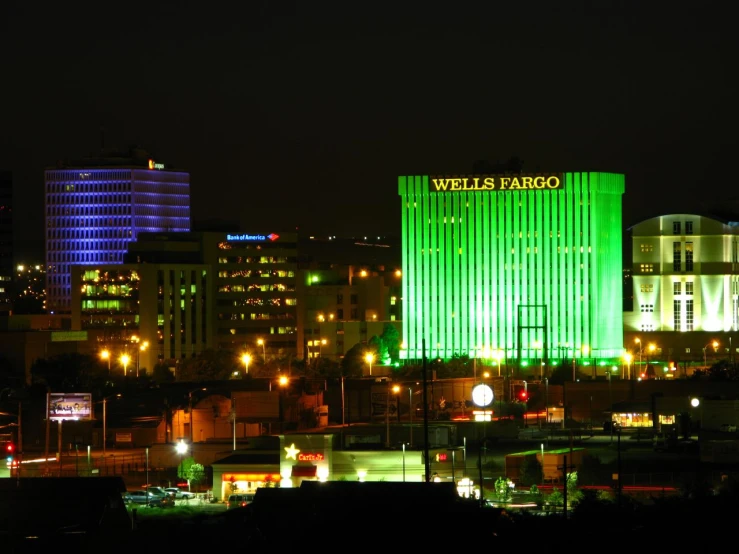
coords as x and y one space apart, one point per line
304 471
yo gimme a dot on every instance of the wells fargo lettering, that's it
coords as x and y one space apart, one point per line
495 183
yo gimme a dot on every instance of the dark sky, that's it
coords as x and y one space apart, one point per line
304 114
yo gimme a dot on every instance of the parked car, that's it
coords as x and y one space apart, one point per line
239 500
148 498
180 494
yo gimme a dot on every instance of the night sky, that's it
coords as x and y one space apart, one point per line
304 114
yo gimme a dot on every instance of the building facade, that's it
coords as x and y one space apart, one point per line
183 293
524 267
95 207
686 292
151 312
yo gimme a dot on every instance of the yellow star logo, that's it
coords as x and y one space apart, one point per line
292 452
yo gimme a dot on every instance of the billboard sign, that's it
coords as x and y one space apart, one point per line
63 406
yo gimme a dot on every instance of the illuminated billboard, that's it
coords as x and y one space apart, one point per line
64 406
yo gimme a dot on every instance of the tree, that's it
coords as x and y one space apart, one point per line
209 365
69 372
353 362
192 471
391 342
503 489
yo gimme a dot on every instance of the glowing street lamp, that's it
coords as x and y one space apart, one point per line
181 449
125 359
627 358
715 346
246 358
105 355
369 357
260 342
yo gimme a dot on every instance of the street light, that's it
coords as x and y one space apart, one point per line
261 343
627 358
638 341
499 355
538 346
125 359
141 349
320 347
369 357
715 346
189 404
395 389
105 355
246 358
181 449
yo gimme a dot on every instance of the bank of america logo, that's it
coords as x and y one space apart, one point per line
273 236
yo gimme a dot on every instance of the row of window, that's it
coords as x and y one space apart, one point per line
677 256
255 316
87 232
64 259
676 227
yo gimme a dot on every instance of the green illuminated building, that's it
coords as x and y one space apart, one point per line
522 269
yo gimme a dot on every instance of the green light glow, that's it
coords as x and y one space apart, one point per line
473 260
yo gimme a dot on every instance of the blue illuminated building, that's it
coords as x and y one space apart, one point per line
95 207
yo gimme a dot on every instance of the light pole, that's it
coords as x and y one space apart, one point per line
369 357
260 342
650 351
125 359
627 358
395 389
141 349
499 356
637 340
410 414
105 355
181 449
246 358
715 346
189 404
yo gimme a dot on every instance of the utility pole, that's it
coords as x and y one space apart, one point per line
426 461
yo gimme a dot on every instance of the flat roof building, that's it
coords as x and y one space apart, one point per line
513 266
96 206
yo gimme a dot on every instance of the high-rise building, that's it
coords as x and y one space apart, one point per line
519 268
6 240
96 206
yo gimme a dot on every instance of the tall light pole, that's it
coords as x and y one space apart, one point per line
125 359
260 342
410 414
715 346
627 358
246 358
387 414
189 404
181 449
369 357
637 340
141 349
105 355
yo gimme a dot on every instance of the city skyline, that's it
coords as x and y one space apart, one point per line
304 117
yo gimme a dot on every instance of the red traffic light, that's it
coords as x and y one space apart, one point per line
523 395
9 448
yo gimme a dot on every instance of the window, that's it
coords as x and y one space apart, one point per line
689 315
688 256
340 313
676 228
676 256
353 300
354 314
688 227
676 315
647 288
676 288
646 268
689 288
646 308
339 299
647 247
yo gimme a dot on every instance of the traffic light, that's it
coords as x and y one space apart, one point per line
523 395
9 451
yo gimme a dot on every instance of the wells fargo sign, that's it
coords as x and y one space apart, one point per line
495 183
